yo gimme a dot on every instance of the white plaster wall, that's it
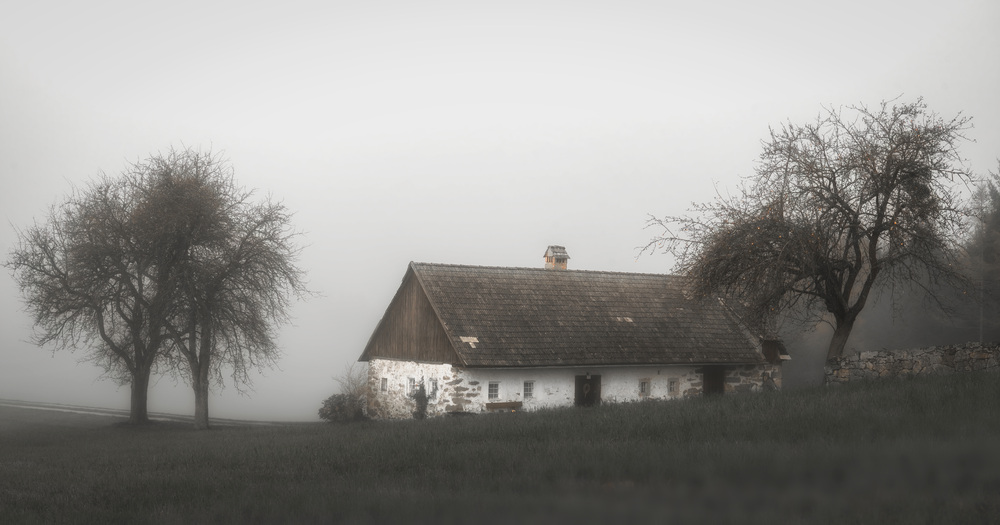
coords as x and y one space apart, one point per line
556 387
466 390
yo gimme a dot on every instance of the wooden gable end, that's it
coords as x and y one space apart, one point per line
410 329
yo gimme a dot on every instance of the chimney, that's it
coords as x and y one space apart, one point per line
555 258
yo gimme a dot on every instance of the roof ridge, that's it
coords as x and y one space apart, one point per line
533 269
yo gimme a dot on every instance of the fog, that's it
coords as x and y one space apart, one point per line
447 132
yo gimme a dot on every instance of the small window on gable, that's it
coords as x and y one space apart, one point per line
529 389
673 387
643 388
494 390
384 386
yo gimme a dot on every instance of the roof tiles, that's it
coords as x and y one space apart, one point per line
522 317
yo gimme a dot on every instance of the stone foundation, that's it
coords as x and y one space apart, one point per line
920 361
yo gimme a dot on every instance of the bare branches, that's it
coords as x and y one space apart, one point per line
353 380
836 207
88 279
234 268
171 262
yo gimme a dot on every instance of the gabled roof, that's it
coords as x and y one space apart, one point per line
522 317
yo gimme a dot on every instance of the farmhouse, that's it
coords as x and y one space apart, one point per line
490 338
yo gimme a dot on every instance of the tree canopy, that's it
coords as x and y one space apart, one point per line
836 210
237 273
172 262
983 259
101 273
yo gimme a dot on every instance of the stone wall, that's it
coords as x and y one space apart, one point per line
753 378
919 361
390 384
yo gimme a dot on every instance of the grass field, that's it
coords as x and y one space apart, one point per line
907 451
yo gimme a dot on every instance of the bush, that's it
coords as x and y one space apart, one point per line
351 403
342 408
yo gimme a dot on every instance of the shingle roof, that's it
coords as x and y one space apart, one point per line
499 317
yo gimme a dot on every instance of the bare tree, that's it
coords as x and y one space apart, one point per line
236 274
350 403
101 273
858 199
170 264
354 380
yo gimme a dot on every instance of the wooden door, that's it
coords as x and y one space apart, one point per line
588 390
713 380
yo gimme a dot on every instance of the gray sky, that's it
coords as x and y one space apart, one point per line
453 132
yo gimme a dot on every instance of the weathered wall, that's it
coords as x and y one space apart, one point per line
410 329
919 361
753 378
556 387
466 390
395 402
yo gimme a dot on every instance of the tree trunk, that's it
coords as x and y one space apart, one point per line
138 414
840 336
200 401
200 377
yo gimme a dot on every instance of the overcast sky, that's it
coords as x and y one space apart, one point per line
453 132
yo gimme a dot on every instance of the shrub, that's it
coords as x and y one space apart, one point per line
342 408
351 403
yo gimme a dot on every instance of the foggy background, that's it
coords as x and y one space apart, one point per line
450 132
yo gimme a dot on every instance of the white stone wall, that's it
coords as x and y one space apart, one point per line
396 401
466 390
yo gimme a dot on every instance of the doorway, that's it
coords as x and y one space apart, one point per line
588 390
713 380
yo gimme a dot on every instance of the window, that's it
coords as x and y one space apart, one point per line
411 385
385 385
434 388
529 389
672 387
643 388
494 390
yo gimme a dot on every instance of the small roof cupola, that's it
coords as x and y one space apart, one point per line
556 257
